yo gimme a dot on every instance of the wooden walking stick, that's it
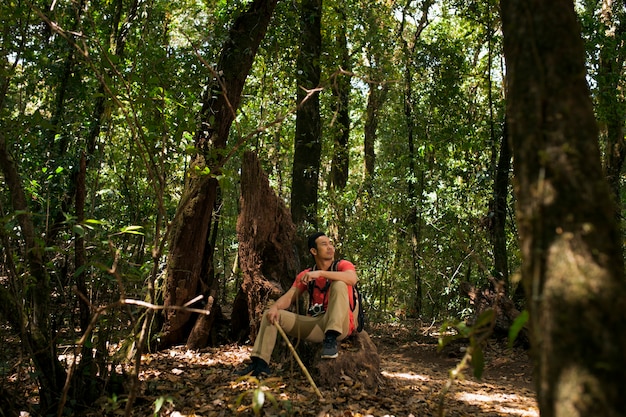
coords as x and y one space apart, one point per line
295 355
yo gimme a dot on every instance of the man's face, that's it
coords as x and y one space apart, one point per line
324 249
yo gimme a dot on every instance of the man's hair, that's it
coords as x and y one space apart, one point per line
313 238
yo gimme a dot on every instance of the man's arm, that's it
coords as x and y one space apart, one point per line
283 303
285 300
348 276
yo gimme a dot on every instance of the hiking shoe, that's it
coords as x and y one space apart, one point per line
256 368
329 347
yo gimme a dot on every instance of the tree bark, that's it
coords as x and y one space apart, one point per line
611 109
341 92
505 312
375 97
308 144
267 241
498 226
415 183
358 364
572 271
340 130
189 258
36 334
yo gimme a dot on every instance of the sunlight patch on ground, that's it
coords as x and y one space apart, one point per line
502 403
405 375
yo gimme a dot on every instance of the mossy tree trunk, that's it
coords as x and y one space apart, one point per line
573 271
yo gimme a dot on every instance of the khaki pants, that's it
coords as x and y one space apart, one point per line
337 317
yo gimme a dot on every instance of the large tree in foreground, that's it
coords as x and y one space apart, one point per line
573 271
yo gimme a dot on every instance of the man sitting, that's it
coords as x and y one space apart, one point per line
329 284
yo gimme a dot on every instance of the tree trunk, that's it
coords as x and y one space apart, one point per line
611 111
501 170
572 271
414 188
189 258
341 93
35 330
498 225
267 239
308 144
357 365
375 98
505 312
340 131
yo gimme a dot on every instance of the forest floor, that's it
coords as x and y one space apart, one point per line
414 378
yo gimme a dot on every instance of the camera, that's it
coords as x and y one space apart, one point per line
316 309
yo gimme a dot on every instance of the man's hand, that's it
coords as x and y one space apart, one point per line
283 303
348 276
273 314
311 276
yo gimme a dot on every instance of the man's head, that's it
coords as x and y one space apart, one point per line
321 247
312 239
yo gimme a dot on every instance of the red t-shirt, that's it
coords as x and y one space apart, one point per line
319 297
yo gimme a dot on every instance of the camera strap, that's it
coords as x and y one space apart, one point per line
324 290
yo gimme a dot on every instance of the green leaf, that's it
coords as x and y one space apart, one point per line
158 404
202 171
79 230
132 230
518 324
463 329
239 399
95 221
272 398
258 399
443 341
80 270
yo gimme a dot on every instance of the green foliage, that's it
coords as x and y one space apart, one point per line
258 392
114 404
476 335
517 326
159 402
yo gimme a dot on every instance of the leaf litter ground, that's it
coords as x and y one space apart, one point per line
414 375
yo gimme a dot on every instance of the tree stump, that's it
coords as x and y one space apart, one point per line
358 365
504 308
266 237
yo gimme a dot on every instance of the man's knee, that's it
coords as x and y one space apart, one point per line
339 286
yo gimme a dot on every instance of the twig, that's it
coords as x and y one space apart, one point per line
158 307
295 355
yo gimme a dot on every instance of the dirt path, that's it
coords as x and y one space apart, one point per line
412 364
414 377
182 383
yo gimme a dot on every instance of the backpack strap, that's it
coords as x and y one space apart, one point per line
312 284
